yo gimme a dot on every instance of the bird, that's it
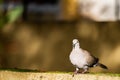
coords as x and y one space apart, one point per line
82 59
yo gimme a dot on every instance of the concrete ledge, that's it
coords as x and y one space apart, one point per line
10 75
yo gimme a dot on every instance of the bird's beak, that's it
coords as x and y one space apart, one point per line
73 45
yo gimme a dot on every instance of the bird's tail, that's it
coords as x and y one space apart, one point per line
102 66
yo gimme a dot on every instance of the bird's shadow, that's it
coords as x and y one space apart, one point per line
20 70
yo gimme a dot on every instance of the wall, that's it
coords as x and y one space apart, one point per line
47 45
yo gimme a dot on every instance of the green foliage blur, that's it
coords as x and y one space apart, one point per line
11 16
14 14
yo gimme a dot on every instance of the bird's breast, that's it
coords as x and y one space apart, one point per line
77 58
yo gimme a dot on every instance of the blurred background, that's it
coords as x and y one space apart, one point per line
38 34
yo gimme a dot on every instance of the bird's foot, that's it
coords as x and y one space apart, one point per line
75 73
83 72
85 69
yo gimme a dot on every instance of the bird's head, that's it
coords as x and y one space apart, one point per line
75 42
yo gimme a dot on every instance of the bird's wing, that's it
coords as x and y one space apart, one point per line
91 60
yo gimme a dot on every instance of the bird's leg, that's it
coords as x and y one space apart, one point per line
85 69
76 71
